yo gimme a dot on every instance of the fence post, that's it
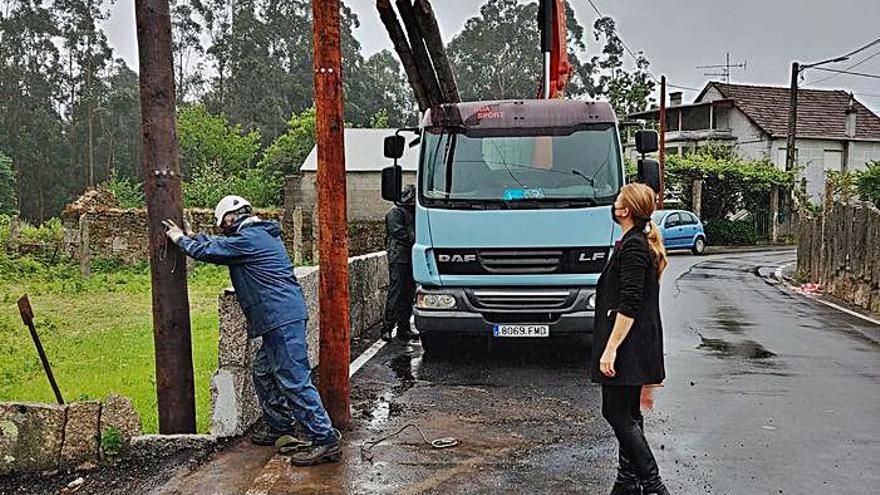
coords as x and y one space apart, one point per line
697 196
774 214
85 250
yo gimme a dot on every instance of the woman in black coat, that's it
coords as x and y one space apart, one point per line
628 337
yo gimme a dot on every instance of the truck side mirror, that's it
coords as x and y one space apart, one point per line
649 173
646 141
392 183
394 146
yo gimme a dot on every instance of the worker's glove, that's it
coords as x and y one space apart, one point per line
173 232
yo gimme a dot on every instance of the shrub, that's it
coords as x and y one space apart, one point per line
112 441
129 193
731 232
868 183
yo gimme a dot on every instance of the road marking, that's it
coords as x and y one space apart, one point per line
366 356
778 275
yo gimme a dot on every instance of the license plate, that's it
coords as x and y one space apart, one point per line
521 331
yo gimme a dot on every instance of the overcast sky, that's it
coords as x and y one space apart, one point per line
676 36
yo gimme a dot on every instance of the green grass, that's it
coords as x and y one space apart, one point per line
98 333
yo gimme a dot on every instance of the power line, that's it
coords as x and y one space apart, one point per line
860 74
853 66
633 55
869 45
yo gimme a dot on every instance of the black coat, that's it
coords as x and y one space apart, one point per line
400 234
629 285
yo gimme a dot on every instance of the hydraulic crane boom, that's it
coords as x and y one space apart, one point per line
554 48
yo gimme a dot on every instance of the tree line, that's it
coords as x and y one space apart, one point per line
69 107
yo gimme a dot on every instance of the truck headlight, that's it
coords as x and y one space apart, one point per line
435 301
591 301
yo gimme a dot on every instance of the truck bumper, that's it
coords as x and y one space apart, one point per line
476 313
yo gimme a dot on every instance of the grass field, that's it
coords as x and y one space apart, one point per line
98 334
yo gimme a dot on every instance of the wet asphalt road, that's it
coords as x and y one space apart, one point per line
767 392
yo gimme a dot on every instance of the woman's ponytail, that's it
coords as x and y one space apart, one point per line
655 241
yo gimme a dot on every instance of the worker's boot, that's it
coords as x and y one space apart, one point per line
268 436
318 454
627 483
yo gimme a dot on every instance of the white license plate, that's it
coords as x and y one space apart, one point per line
521 331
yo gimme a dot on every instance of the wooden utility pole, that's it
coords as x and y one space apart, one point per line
333 225
662 148
430 32
401 46
164 198
792 118
419 51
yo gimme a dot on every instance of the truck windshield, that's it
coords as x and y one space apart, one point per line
522 171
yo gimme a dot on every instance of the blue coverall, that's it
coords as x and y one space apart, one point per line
272 301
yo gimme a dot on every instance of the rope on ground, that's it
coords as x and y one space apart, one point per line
437 443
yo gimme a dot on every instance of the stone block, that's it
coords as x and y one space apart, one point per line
119 413
233 347
81 439
234 400
31 436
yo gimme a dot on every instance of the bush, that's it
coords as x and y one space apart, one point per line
731 232
730 183
868 183
130 194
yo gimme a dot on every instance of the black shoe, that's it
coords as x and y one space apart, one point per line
654 488
626 488
318 454
386 335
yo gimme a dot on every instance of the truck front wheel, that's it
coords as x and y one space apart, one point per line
435 345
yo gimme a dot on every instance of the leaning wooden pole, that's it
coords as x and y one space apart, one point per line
430 32
333 226
401 46
164 198
420 53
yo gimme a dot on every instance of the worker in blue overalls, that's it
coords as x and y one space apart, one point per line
272 301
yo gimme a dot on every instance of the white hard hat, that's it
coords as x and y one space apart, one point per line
228 205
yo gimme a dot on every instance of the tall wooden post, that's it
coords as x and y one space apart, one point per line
790 143
164 198
662 147
333 243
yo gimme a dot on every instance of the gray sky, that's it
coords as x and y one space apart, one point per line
676 36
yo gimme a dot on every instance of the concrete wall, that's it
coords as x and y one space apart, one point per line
840 250
35 438
234 402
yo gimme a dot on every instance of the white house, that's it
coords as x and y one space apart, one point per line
834 130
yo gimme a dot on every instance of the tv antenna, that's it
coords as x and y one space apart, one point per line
724 69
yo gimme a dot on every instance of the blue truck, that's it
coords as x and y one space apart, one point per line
513 220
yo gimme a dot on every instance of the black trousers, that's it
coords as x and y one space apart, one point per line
401 291
621 408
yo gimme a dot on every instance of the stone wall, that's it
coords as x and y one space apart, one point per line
840 251
37 438
121 235
234 401
365 209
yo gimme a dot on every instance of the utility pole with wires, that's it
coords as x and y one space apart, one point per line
796 70
725 69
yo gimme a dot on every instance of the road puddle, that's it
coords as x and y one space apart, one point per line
746 349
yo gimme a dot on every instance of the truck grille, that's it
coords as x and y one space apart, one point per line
509 262
521 300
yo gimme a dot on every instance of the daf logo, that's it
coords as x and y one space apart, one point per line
587 257
456 258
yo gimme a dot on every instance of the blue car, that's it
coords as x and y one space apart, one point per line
681 230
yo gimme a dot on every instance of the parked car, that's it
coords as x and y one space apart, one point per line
681 230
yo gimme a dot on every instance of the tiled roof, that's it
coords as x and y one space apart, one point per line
821 113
